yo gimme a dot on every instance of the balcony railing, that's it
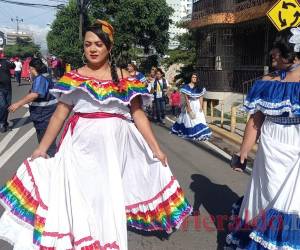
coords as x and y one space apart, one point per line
203 8
208 7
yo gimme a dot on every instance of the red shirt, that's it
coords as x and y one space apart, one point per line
175 99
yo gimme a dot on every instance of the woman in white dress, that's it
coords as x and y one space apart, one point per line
108 172
269 216
191 123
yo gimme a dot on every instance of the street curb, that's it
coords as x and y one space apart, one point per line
230 136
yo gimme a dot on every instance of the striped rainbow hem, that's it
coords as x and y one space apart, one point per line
168 214
22 204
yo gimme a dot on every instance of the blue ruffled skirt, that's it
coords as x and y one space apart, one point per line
188 128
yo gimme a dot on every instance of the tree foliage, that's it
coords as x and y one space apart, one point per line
185 54
63 38
23 48
137 22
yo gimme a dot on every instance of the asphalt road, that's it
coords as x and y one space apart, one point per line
203 173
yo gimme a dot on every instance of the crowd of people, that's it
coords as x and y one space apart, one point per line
109 171
186 104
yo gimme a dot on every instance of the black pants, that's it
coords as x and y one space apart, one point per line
5 101
18 76
40 133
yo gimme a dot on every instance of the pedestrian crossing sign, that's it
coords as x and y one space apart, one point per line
285 14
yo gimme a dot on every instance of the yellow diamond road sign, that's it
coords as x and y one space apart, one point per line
285 14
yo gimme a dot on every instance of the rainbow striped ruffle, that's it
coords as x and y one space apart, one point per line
22 203
166 211
21 198
102 91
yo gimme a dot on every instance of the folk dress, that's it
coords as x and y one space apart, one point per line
269 216
103 177
187 127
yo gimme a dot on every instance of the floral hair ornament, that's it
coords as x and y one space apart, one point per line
106 28
295 39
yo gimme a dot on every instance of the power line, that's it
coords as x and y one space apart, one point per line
17 20
36 5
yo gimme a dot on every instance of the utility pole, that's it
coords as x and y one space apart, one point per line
17 20
82 7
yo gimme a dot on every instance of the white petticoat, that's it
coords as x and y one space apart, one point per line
103 176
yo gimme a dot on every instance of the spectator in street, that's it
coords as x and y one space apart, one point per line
54 67
132 69
5 90
149 84
191 123
109 172
26 69
18 70
151 78
42 103
159 90
175 102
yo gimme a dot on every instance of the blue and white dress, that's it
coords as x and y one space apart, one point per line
186 127
269 217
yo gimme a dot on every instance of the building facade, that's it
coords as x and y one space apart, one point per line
234 38
11 37
182 9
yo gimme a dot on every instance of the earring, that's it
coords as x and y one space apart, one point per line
83 58
109 58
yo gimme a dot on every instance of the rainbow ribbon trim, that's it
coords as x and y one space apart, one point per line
23 205
102 91
167 215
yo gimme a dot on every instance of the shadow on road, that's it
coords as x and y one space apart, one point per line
217 201
162 235
16 120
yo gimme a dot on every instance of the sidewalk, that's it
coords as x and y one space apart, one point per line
223 138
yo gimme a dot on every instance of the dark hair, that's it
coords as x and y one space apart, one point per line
284 46
160 71
96 29
133 66
197 85
39 66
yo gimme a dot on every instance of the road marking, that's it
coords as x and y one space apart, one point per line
215 148
15 147
6 140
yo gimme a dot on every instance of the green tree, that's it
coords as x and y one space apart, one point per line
138 23
23 48
63 38
185 54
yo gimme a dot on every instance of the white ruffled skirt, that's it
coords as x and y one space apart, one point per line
188 128
270 211
103 178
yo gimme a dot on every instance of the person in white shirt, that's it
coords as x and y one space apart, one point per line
18 70
159 90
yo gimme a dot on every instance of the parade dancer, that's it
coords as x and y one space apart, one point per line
109 171
191 122
269 215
